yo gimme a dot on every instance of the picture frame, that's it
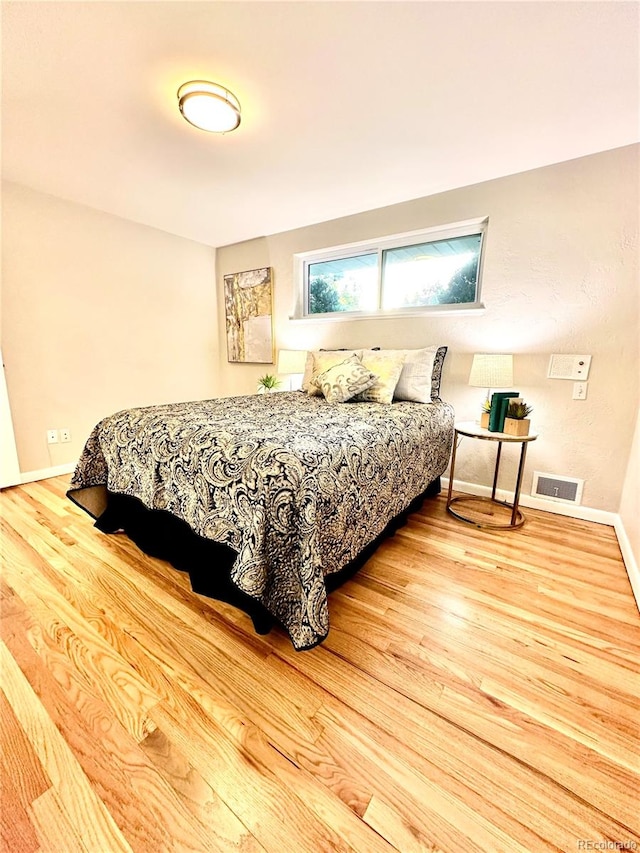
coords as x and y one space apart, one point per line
248 301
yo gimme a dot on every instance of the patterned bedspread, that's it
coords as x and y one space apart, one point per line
295 485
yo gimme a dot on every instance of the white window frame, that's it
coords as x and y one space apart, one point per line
303 260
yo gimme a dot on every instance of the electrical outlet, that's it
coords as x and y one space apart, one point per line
65 435
580 390
52 436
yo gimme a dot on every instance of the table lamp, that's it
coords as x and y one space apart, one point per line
291 362
491 370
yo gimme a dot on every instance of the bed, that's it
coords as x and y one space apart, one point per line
268 501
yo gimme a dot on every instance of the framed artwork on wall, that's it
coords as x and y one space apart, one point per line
248 302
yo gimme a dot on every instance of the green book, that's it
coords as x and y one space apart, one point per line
498 413
504 407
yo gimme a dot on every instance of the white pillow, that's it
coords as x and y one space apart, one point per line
344 380
417 372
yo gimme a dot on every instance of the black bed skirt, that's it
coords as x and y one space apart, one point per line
208 564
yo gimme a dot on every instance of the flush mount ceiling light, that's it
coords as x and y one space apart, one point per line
209 106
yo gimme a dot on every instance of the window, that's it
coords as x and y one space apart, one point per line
431 270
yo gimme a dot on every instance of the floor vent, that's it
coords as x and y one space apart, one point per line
552 487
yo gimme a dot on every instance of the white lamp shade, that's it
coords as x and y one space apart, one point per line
291 361
491 370
209 106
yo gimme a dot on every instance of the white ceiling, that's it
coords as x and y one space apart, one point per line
346 106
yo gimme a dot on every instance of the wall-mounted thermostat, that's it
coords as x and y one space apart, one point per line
574 367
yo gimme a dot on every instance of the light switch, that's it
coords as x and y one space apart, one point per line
580 390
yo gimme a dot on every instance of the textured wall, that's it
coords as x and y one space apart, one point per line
560 275
98 313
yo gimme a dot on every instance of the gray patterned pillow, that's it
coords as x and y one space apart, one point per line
317 362
343 381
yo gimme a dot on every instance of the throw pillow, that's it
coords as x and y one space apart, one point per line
344 380
421 374
317 362
387 366
436 376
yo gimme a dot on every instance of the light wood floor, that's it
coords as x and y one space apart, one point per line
478 692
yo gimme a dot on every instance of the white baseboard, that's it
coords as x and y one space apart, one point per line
599 516
586 513
630 562
45 473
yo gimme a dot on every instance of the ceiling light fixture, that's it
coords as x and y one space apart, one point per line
209 106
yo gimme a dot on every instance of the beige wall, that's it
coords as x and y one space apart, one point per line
98 313
560 275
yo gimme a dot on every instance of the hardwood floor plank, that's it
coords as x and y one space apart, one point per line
519 599
224 829
432 812
611 720
605 665
79 639
250 784
77 796
42 497
53 827
519 591
401 833
547 547
17 833
18 759
141 801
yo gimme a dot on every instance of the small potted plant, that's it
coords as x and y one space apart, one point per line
484 417
517 421
267 383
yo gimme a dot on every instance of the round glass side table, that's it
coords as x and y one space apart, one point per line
469 429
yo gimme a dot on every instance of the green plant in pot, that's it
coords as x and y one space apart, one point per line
517 420
486 411
267 383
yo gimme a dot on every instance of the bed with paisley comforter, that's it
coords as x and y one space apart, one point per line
266 500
